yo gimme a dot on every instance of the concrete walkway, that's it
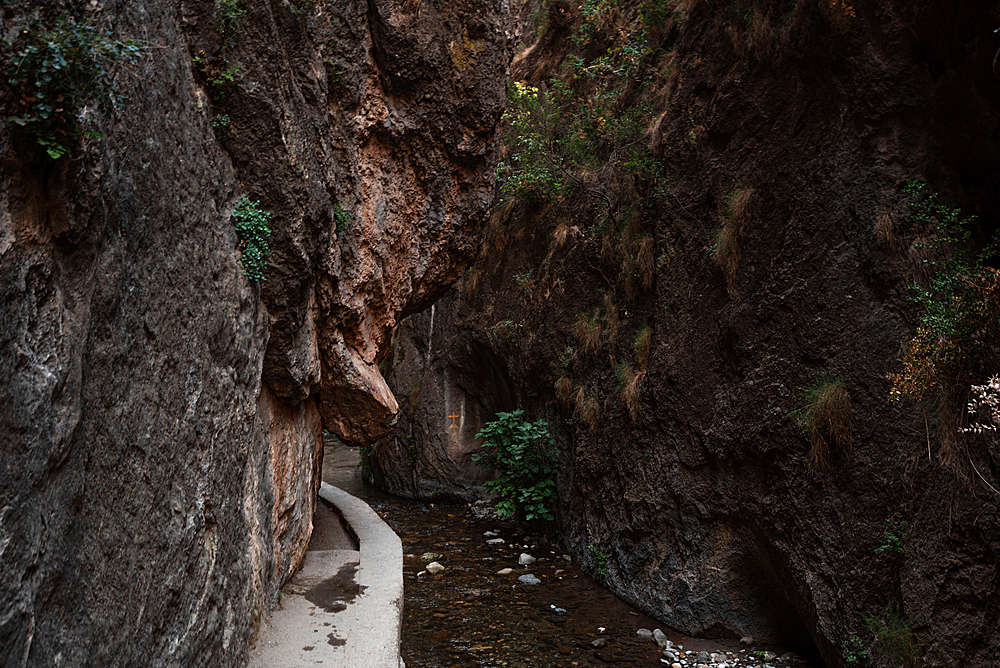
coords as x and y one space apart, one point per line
343 609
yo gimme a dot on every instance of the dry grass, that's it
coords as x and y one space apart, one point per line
609 251
470 283
885 232
647 261
828 420
589 332
588 410
612 323
630 383
633 281
739 209
560 234
643 345
564 390
414 398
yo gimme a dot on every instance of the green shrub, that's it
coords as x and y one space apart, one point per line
855 652
600 559
252 225
342 217
961 303
522 455
56 74
894 637
894 539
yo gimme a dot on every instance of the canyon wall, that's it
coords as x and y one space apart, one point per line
161 414
683 455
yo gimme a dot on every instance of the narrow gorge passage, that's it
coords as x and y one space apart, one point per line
477 613
728 270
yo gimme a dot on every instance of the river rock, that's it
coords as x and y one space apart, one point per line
645 634
529 579
526 559
599 642
495 541
431 556
660 637
434 568
505 571
746 641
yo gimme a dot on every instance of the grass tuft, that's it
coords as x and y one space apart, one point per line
589 332
726 253
588 410
643 345
828 421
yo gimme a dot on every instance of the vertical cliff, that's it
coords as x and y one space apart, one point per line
676 371
161 414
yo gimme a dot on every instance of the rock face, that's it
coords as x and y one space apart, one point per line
705 499
449 384
160 415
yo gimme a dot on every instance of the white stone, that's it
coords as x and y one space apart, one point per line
526 559
505 571
434 568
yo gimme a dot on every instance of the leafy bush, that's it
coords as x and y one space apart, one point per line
342 217
856 653
600 559
252 225
58 73
961 303
894 637
521 453
894 539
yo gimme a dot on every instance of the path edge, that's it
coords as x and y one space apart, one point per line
374 636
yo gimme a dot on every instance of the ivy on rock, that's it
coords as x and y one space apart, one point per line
252 224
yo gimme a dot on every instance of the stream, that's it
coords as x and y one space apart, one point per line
477 613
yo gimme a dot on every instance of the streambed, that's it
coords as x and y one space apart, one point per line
469 615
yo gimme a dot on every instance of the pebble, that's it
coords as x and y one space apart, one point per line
490 534
526 559
434 568
529 579
600 642
558 611
505 571
430 556
746 640
645 634
660 637
494 541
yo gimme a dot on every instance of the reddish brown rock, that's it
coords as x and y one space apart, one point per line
159 413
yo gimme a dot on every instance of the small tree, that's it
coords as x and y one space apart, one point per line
522 455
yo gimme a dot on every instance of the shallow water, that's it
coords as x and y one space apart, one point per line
469 616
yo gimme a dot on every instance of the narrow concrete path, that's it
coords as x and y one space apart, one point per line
343 609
